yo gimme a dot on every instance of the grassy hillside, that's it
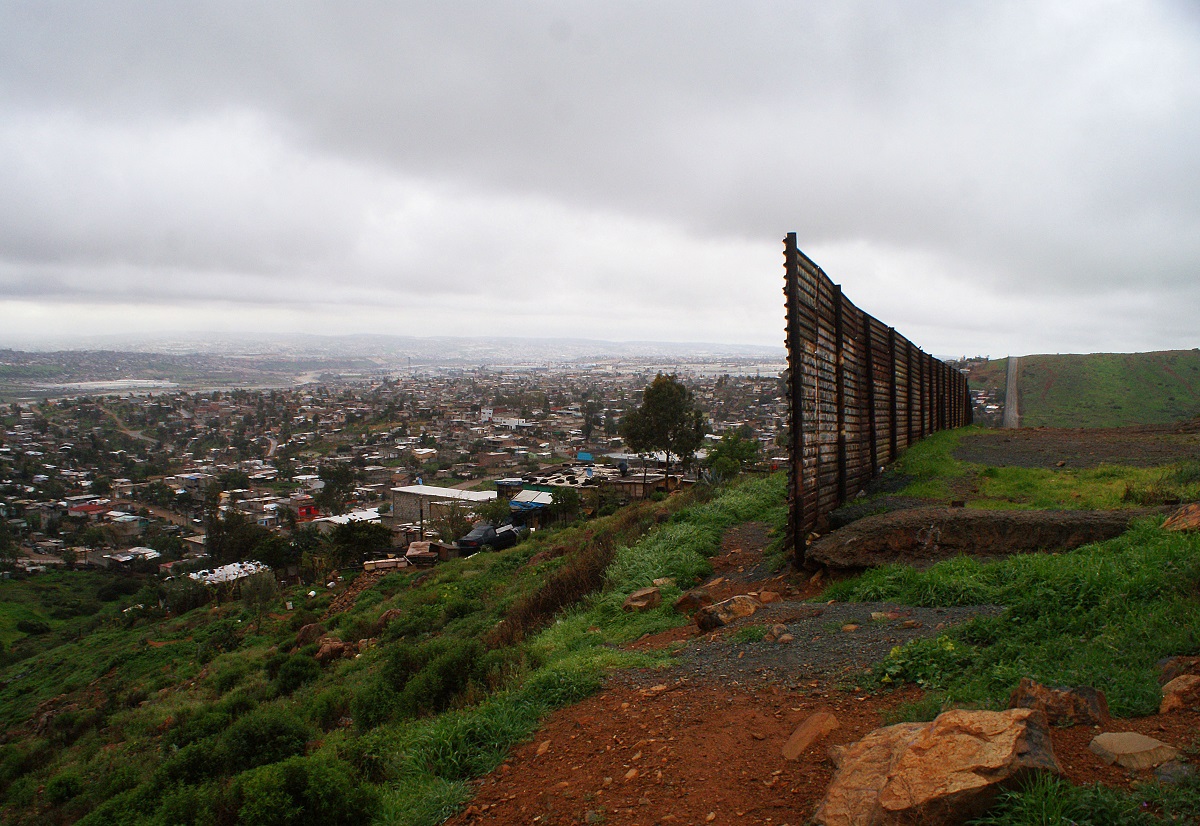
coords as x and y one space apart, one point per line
119 713
1108 389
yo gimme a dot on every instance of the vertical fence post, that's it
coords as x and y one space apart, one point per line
795 348
839 346
893 412
869 381
908 396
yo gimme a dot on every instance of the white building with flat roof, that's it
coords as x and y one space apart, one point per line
412 503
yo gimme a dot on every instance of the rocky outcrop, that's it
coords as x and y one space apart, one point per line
1082 705
944 772
712 617
926 535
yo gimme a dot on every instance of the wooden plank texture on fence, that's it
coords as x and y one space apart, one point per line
859 393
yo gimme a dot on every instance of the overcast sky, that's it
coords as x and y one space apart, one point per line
986 177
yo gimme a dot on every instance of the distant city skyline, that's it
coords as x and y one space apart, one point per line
990 179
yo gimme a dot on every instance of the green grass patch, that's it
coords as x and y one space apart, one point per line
1109 389
1100 615
214 715
1104 488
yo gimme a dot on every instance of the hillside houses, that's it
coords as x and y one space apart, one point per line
112 473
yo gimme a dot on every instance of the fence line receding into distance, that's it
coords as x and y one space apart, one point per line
859 393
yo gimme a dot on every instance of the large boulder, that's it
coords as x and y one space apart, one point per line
722 613
944 772
924 535
1081 705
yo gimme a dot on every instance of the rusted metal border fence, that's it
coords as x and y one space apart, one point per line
859 393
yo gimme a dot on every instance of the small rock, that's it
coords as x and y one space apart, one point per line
1172 667
784 639
1060 463
1186 518
879 616
722 613
710 817
910 624
1131 750
631 775
643 599
767 597
330 649
543 747
1182 692
693 600
309 633
1172 773
813 728
779 629
1082 705
665 582
848 627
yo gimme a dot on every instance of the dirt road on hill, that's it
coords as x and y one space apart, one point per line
1012 411
701 742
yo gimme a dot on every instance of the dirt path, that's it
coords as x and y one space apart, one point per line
701 741
1012 412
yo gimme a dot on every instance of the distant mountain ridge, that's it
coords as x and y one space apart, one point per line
426 349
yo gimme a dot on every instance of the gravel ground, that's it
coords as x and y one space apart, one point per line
820 650
1045 448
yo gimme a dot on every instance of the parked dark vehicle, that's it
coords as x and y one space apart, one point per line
495 538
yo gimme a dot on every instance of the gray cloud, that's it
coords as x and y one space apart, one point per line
997 177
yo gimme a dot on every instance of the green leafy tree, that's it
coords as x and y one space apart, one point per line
258 592
339 484
592 411
564 502
731 455
453 522
666 420
497 511
355 541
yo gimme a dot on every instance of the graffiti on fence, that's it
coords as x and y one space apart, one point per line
859 393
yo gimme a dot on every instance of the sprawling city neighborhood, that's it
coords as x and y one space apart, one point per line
174 481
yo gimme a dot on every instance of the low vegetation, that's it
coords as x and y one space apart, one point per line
929 470
221 714
1101 615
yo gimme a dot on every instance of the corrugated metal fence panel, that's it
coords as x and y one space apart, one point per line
859 394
